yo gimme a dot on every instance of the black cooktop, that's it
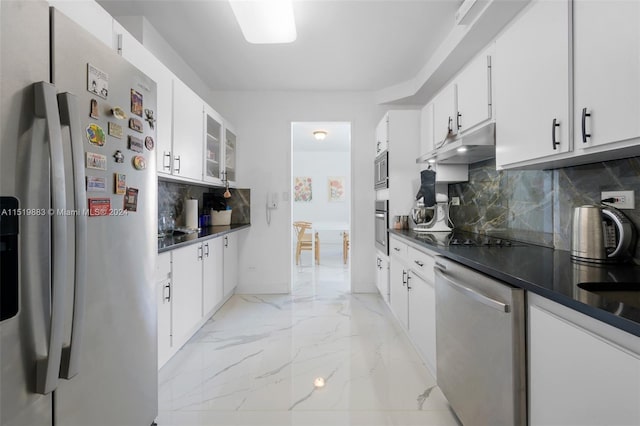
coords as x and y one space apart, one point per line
465 239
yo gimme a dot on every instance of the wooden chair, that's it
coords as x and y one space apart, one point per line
304 240
345 247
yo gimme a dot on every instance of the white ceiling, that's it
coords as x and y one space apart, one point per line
338 137
341 45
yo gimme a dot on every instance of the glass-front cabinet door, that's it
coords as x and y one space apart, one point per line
213 146
230 154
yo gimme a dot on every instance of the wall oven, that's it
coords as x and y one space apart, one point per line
381 171
382 226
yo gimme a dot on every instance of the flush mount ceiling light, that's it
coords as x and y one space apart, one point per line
320 135
319 382
265 21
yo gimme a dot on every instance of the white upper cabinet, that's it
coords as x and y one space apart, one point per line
474 93
570 94
426 129
134 52
606 40
188 129
213 146
230 148
382 135
531 70
444 114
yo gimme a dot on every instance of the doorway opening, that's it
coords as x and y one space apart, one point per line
320 208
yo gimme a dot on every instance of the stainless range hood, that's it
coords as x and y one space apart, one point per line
477 145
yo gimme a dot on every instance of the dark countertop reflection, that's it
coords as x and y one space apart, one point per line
547 272
180 240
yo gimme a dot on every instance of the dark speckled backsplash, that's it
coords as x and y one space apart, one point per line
172 196
537 205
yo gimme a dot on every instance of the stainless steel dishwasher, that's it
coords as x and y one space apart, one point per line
480 346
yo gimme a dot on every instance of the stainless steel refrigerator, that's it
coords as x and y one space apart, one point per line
78 227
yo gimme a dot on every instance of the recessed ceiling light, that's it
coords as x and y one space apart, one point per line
265 21
320 135
319 382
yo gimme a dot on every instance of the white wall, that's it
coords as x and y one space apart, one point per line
320 166
263 123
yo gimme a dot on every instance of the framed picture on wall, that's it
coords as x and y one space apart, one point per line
336 188
302 189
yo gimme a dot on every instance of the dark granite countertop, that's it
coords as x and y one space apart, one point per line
547 272
177 241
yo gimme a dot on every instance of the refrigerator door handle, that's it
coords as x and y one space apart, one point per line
46 107
69 116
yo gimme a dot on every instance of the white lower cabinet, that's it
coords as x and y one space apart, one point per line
212 276
382 276
163 297
192 283
187 292
581 371
398 291
413 298
422 319
230 256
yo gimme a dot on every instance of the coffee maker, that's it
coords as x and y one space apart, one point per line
431 210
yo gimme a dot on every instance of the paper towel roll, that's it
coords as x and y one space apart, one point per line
191 214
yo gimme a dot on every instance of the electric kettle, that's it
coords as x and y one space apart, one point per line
601 235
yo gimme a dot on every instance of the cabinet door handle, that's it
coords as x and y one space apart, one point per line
177 160
206 253
168 297
459 121
450 125
396 249
408 278
404 277
166 155
417 262
585 135
200 253
226 241
555 124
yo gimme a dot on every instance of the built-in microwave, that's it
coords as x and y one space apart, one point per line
382 226
381 171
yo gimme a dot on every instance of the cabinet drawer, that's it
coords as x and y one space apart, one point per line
397 248
422 264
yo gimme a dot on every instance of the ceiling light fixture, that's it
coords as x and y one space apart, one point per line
319 382
265 21
462 149
320 135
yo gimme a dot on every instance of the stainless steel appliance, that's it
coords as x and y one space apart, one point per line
81 348
431 219
480 346
381 171
382 226
601 235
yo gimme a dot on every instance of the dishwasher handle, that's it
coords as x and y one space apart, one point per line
473 294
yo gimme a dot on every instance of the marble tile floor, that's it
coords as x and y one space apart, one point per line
256 360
